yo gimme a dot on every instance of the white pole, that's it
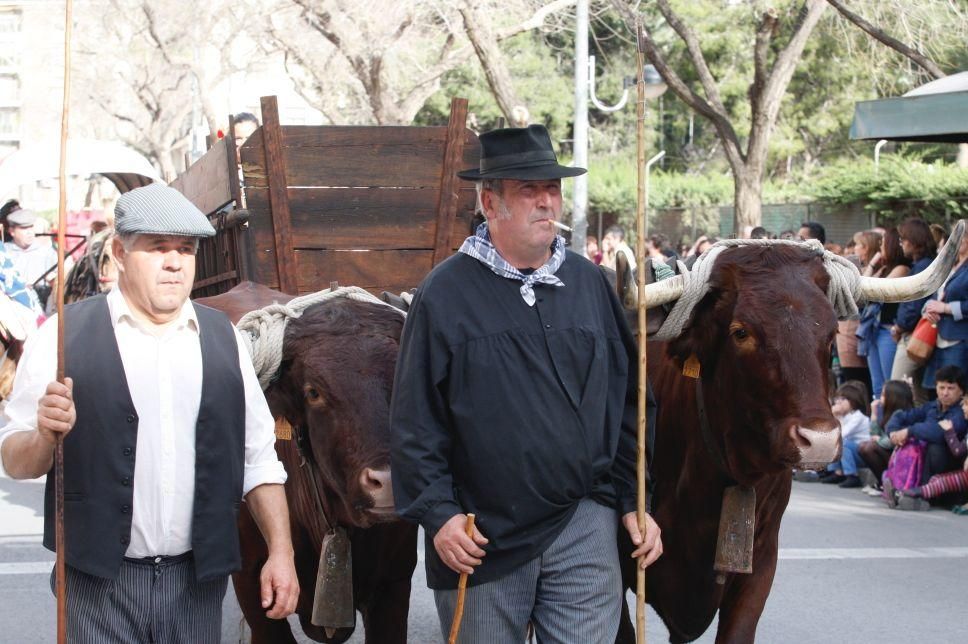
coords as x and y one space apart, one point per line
579 216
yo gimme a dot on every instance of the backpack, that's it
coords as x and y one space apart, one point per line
906 465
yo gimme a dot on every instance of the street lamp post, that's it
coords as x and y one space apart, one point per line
579 214
585 89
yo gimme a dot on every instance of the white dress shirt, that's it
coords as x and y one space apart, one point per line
164 375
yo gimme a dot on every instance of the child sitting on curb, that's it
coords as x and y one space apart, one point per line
949 482
850 407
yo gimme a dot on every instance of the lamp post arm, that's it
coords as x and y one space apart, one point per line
591 91
877 153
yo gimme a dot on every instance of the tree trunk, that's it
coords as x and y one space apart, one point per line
166 165
747 203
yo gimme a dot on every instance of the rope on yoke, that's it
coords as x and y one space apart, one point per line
843 292
263 330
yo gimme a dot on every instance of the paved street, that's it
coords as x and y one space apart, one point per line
842 554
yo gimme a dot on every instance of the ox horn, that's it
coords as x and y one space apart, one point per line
913 287
665 291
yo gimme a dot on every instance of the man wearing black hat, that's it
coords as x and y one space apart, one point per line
165 430
515 399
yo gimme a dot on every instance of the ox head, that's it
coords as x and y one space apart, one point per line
335 384
763 335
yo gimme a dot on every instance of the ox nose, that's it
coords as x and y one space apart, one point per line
818 443
377 484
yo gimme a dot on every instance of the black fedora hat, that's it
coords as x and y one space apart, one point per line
522 153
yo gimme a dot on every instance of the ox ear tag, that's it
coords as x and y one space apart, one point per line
283 429
737 525
333 601
691 368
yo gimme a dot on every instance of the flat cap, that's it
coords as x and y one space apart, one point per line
157 209
21 218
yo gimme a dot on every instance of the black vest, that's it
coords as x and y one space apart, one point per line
99 452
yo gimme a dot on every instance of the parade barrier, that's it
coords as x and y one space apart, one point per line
376 207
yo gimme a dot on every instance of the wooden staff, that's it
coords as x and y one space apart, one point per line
642 230
60 571
461 589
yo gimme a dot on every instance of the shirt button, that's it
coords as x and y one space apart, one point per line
126 481
124 541
131 418
125 509
127 451
547 326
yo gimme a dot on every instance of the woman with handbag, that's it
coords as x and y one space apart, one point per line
945 312
918 245
880 257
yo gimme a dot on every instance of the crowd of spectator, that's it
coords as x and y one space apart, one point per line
913 358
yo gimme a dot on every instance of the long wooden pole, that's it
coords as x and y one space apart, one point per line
461 590
61 576
642 233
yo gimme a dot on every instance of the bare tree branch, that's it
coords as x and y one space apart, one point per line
491 59
764 36
535 21
459 56
695 54
149 15
912 54
718 117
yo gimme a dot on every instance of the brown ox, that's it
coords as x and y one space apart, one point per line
762 336
334 384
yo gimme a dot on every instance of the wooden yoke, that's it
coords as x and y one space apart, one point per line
449 181
278 196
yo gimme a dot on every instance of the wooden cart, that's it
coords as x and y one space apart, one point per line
375 207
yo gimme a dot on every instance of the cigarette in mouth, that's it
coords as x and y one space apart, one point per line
561 225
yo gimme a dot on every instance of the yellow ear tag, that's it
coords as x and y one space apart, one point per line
691 368
283 429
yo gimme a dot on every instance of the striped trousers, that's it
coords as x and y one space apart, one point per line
151 602
948 482
571 593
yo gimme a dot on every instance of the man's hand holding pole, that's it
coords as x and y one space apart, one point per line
456 549
648 548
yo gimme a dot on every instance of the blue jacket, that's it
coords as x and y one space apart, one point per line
908 313
955 326
867 328
922 422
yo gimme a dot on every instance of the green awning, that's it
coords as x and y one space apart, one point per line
930 118
935 112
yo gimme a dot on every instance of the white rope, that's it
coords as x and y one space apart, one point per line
263 330
843 292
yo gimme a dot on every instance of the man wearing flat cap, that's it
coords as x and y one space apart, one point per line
165 432
515 400
30 257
